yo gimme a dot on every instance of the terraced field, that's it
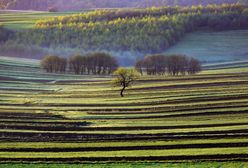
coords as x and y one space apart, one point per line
66 118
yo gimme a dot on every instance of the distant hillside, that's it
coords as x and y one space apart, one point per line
83 4
24 4
127 33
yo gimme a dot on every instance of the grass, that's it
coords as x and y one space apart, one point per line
133 165
60 118
43 145
210 46
25 20
131 153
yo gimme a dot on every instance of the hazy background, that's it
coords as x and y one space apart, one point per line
63 5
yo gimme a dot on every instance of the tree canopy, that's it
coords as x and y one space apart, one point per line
168 64
124 78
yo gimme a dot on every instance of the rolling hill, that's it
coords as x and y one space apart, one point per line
65 118
84 4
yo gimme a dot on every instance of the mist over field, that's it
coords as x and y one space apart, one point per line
214 46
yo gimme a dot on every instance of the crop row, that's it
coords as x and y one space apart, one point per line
56 136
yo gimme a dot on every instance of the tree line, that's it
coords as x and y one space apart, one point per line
93 63
54 64
105 64
172 64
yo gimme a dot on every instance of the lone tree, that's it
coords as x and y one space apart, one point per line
124 78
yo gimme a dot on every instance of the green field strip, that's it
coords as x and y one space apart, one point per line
159 93
19 61
81 115
132 124
142 97
226 71
86 126
227 119
136 96
20 19
118 108
240 128
170 112
41 145
130 165
172 121
193 85
145 115
188 152
128 148
166 100
43 121
108 104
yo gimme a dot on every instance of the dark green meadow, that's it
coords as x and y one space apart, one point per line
185 121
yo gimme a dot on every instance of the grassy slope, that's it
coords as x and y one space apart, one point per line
78 117
214 46
221 46
24 20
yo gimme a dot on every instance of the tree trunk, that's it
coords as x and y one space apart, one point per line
122 90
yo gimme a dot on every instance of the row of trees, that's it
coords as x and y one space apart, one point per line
54 64
103 64
95 63
172 65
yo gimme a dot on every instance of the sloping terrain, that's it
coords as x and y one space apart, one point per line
209 46
68 118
